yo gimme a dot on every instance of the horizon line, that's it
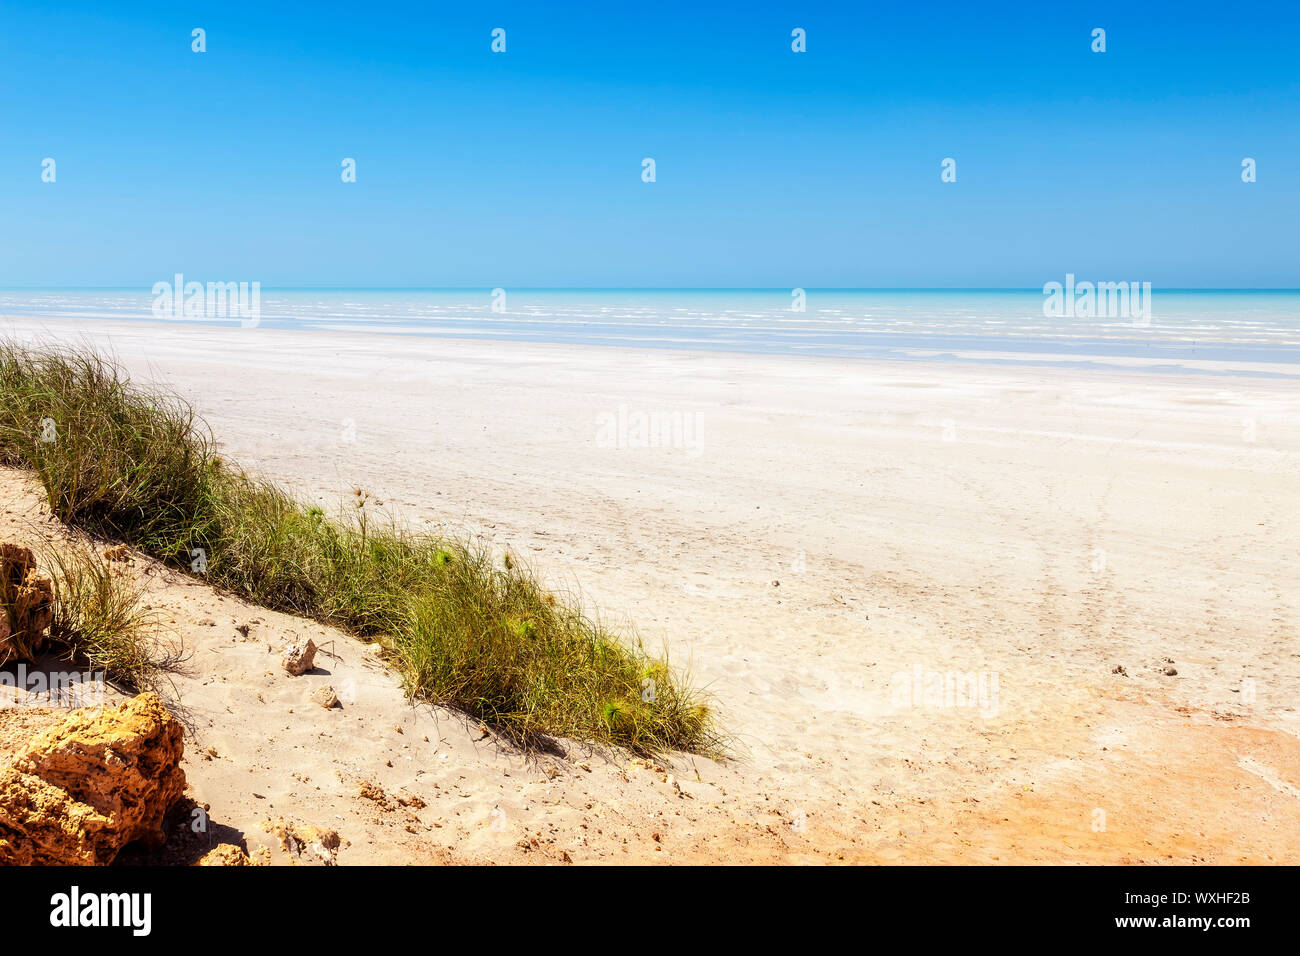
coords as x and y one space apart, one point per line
785 290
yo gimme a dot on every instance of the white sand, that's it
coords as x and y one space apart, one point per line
1033 528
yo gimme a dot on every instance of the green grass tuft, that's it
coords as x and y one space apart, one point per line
99 619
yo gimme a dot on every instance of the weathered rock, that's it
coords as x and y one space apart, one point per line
26 605
87 786
225 854
307 844
298 657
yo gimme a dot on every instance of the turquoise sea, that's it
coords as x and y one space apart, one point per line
1257 331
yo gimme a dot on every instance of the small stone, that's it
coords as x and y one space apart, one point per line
298 657
1171 672
225 854
326 696
307 844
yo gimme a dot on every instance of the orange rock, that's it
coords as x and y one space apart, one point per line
26 605
84 788
225 854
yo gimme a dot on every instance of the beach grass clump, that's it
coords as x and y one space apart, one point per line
120 461
137 465
100 619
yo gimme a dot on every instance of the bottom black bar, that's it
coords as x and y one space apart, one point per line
142 906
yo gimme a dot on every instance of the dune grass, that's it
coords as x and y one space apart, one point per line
137 465
100 619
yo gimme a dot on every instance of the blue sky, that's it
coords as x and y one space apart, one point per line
774 169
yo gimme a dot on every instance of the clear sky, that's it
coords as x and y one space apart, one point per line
774 168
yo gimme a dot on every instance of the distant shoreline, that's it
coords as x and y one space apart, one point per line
1253 333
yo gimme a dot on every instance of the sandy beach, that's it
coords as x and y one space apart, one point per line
948 612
